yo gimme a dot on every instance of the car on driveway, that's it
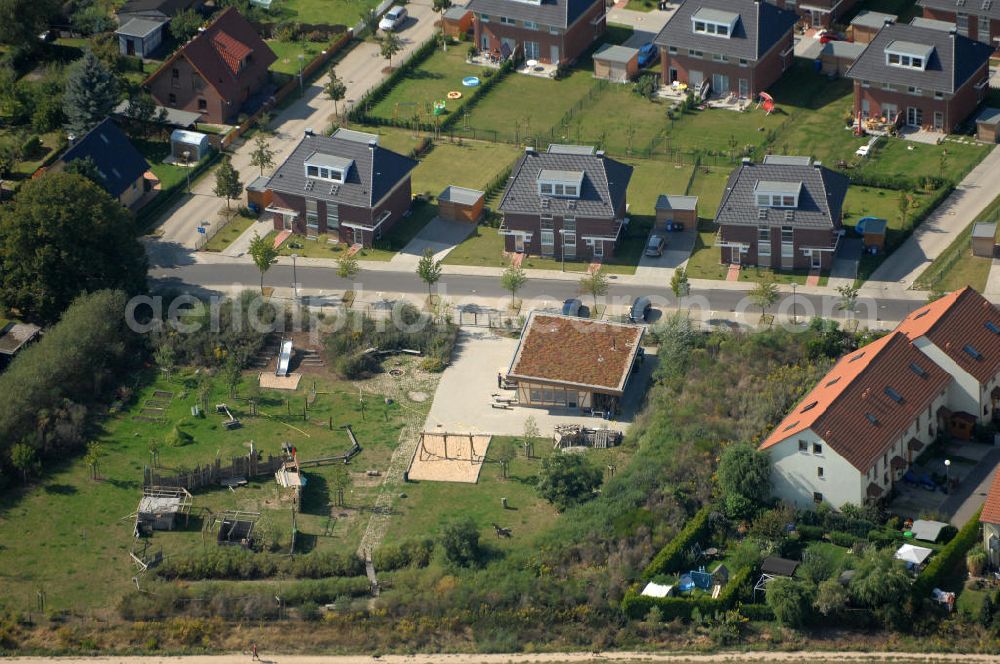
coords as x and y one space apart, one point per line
571 307
393 19
647 55
641 306
655 245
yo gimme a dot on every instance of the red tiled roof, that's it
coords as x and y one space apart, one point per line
868 400
965 326
991 508
596 355
217 52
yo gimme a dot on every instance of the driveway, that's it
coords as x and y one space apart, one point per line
360 69
653 269
845 264
463 401
439 235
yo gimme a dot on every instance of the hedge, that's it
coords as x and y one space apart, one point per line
950 556
359 112
237 563
636 606
673 554
169 196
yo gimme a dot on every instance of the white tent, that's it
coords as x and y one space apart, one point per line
195 144
913 554
928 531
656 590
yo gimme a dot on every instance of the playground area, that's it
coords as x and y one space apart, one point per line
449 457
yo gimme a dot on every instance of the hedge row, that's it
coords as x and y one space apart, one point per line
637 606
673 554
237 563
359 112
947 559
896 182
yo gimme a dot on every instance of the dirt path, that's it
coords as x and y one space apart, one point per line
549 658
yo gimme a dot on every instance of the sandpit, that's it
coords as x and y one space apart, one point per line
269 381
449 457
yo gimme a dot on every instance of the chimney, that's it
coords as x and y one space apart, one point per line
600 153
372 144
309 132
952 32
818 164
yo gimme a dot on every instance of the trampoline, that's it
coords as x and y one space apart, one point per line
686 583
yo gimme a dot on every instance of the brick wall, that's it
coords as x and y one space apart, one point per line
571 43
584 227
184 91
801 238
759 75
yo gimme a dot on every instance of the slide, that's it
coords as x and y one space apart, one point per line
284 358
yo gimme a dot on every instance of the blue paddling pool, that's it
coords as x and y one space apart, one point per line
470 81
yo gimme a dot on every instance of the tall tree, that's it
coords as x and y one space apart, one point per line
86 167
62 236
744 479
336 91
513 279
91 94
227 181
429 270
595 283
390 46
22 20
141 110
264 255
262 155
184 25
568 479
764 294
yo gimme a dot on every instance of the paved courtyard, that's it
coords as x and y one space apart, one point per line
463 400
439 235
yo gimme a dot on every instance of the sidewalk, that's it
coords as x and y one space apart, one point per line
973 194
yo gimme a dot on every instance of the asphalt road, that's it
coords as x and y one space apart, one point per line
710 304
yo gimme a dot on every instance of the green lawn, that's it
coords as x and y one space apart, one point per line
229 233
720 131
620 121
288 54
956 266
652 178
523 107
51 141
421 515
483 247
333 12
155 152
471 164
438 75
70 535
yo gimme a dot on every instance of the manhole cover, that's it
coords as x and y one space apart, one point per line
417 396
396 372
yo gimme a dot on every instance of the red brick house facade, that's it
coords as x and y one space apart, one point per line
216 72
977 20
566 203
345 186
550 31
784 213
920 77
737 46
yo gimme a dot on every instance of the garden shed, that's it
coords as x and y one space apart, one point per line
194 143
13 338
456 21
987 124
258 195
866 25
836 57
618 64
983 235
159 508
874 234
672 211
460 204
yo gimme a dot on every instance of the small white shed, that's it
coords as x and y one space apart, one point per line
194 143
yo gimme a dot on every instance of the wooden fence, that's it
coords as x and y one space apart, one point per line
212 474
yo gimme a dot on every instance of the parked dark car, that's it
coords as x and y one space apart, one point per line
640 309
647 55
571 307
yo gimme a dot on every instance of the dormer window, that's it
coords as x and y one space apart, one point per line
561 184
327 167
714 22
777 194
908 55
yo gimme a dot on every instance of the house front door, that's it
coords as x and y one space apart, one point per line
519 243
484 42
598 248
816 260
914 116
129 46
735 255
672 75
359 236
938 121
695 79
554 54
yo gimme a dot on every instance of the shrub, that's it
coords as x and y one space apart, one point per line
673 554
411 553
947 558
975 561
460 541
568 479
790 600
845 540
809 533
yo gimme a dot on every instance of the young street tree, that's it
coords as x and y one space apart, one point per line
848 298
390 46
429 270
93 458
336 91
679 284
764 294
513 279
43 263
262 155
91 94
264 255
24 459
348 267
595 284
227 182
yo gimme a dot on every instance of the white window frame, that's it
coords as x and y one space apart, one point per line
312 215
332 215
530 25
504 20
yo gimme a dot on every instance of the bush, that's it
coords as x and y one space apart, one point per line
845 540
674 554
412 553
809 533
460 541
947 559
790 600
568 479
238 563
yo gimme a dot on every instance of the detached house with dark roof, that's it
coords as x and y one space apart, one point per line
784 213
920 77
550 31
216 72
567 202
120 165
975 19
859 430
736 46
345 185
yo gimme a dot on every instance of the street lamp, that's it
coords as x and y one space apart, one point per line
795 320
301 59
187 162
295 279
947 473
